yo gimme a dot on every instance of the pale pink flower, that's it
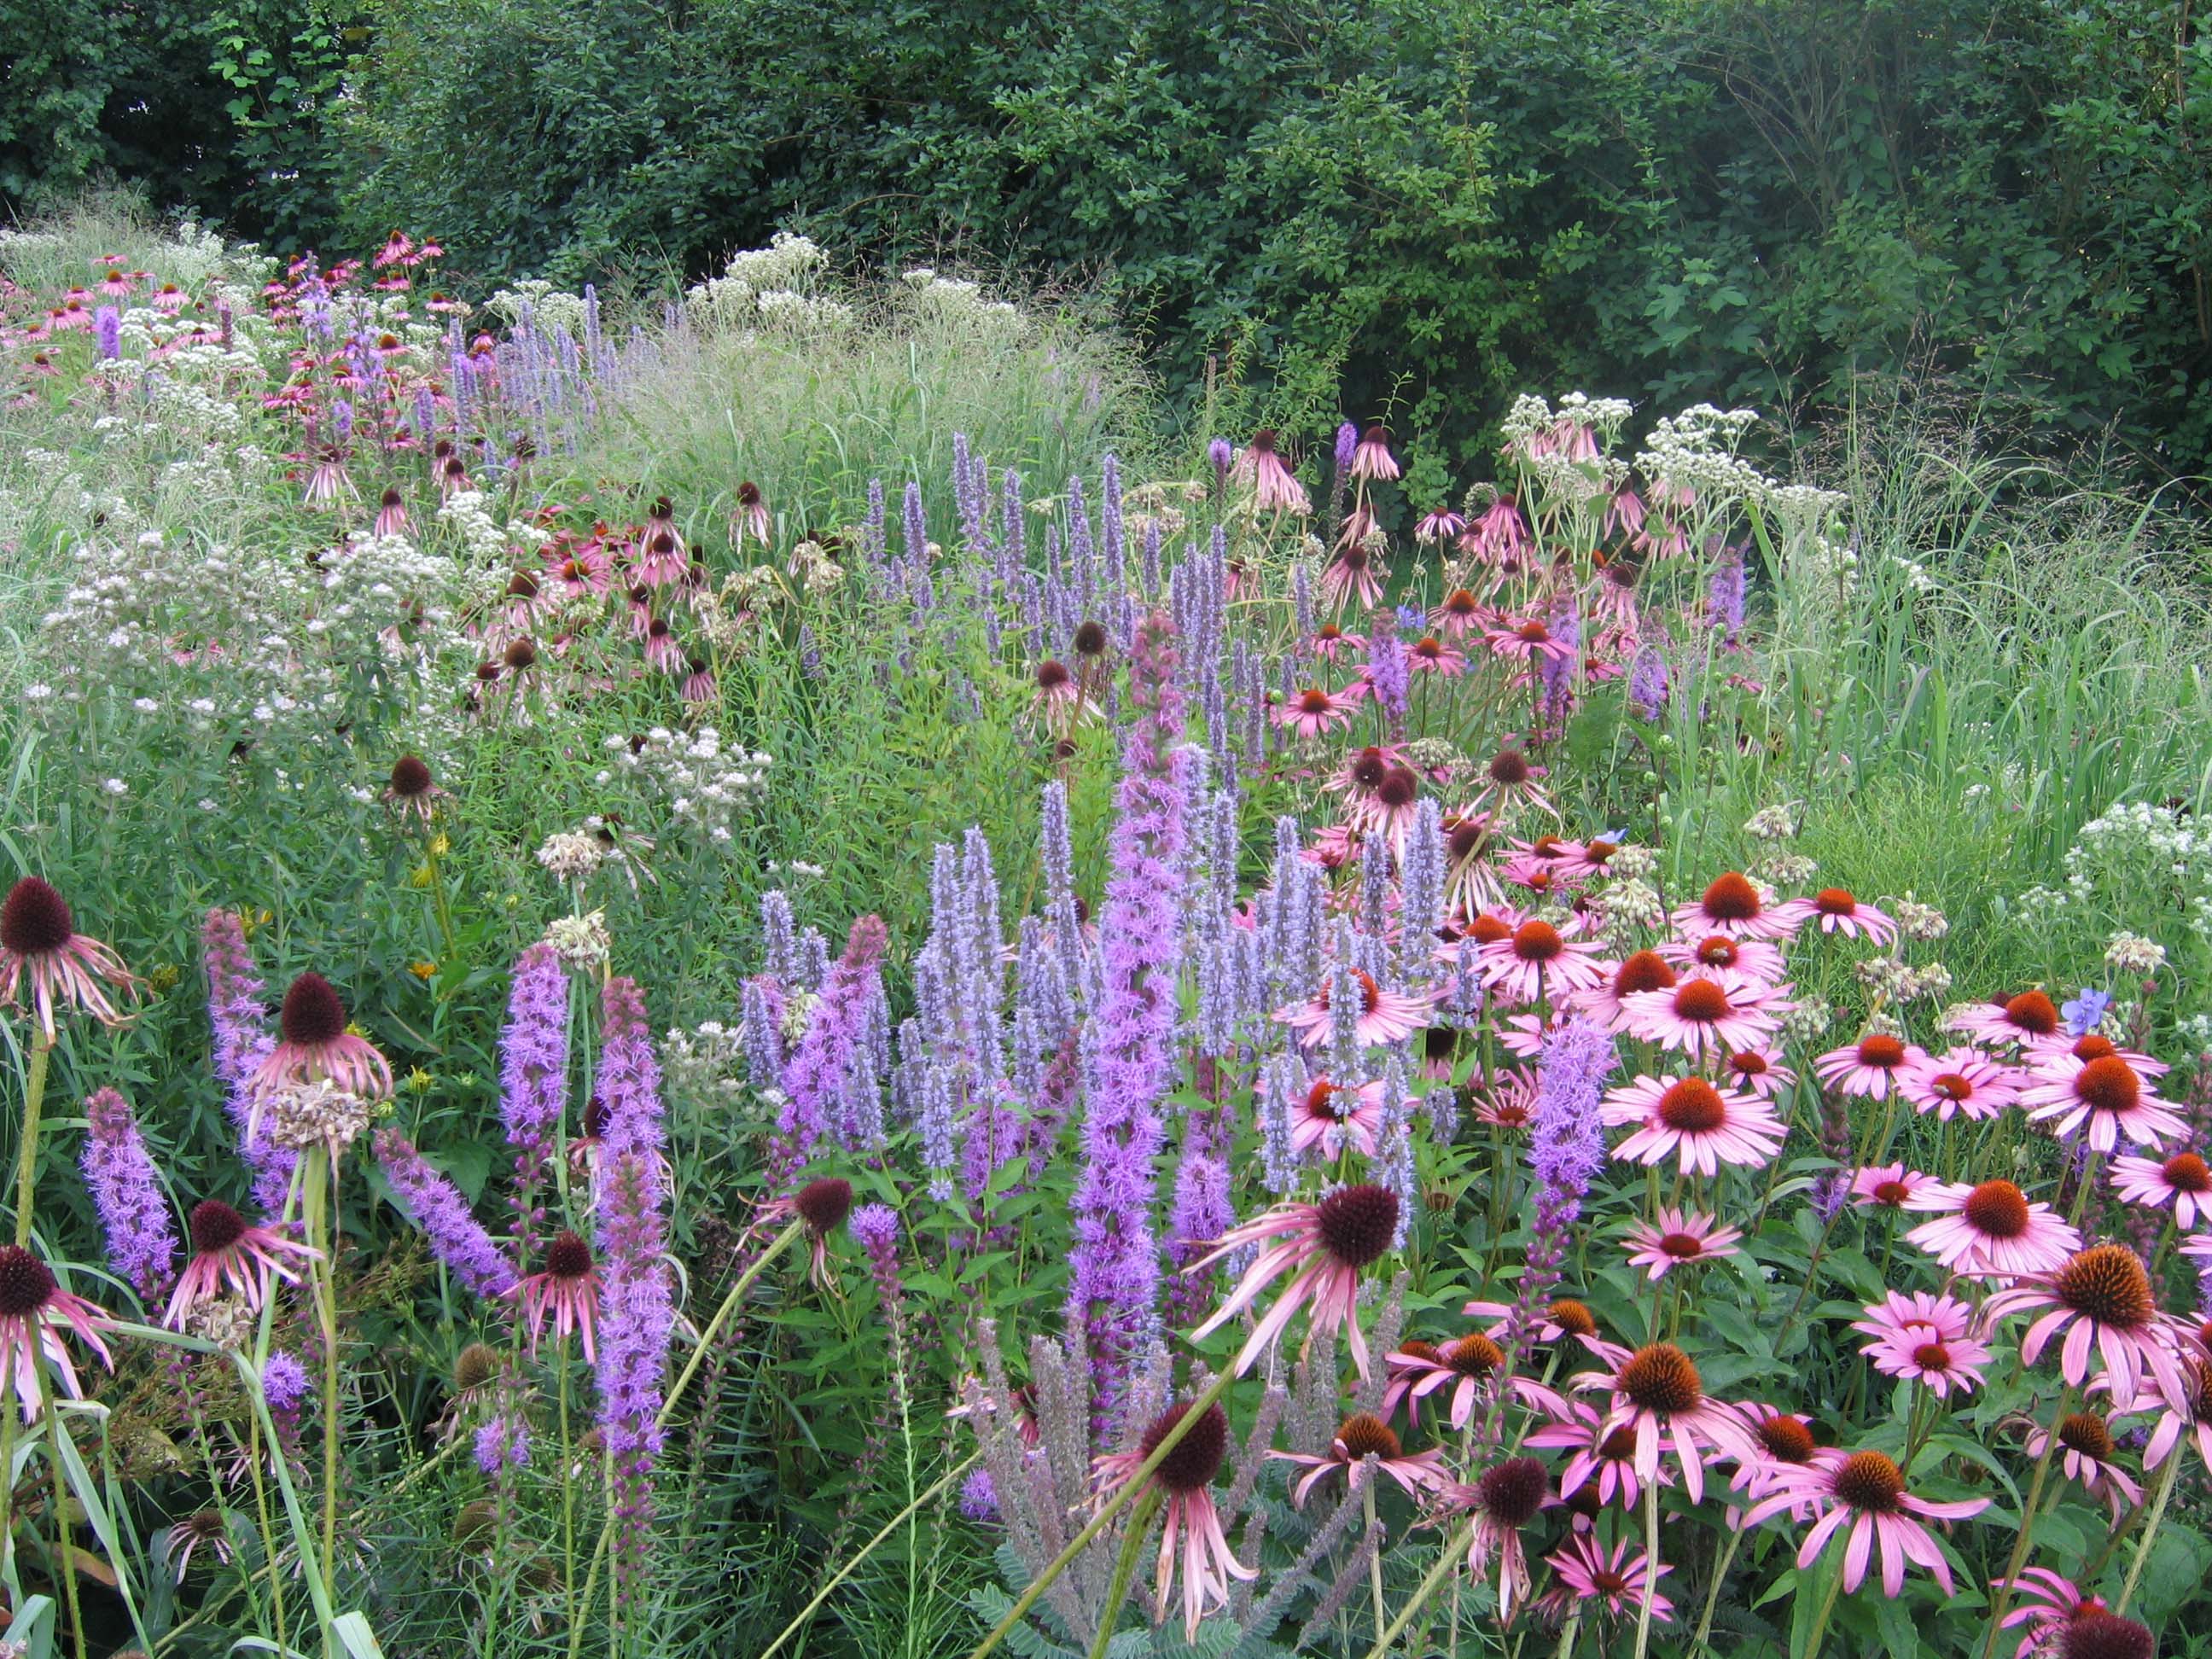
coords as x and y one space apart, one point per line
1755 958
2090 1046
1784 1442
1385 1016
2021 1019
1458 614
33 1310
1622 1578
1526 641
1273 487
1716 1012
1431 656
1759 1070
2103 1099
1837 911
1871 1067
1352 573
1191 1535
1603 1004
1329 1116
1500 535
2047 1604
1732 905
567 1288
1507 1497
1312 712
1961 1082
2189 1417
1677 1239
1689 1119
2183 1180
39 946
2101 1299
1888 1186
1600 1452
1372 460
1865 1493
1473 1367
1539 960
1990 1229
2083 1444
313 1043
1657 1392
228 1251
1357 1439
1322 1247
1440 526
1932 1340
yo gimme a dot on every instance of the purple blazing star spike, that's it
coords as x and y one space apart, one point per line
916 531
1128 1058
762 1002
1567 1148
438 1209
1286 1084
1394 1147
629 1085
108 332
533 1078
1202 1211
1725 594
818 1096
502 1445
126 1190
873 536
636 1315
242 1041
1421 897
1387 671
1647 683
1558 673
1222 455
779 938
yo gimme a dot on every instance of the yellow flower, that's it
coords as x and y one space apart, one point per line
421 875
419 1082
441 844
422 969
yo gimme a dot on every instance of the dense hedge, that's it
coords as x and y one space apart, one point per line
1427 200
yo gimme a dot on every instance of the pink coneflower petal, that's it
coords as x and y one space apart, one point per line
1677 1239
1871 1067
2103 1099
1990 1229
2184 1180
1688 1118
1960 1082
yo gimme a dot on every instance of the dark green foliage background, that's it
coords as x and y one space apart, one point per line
1431 203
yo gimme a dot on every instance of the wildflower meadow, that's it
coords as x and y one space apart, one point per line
781 968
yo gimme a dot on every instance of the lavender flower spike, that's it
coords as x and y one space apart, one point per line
440 1211
242 1041
533 1076
637 1312
141 1236
1567 1148
815 1075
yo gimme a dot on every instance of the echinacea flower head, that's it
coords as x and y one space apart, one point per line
228 1253
1601 1457
1733 905
2101 1298
1657 1392
1506 1497
2020 1018
1362 1435
2087 1451
1755 958
1713 1011
566 1288
2184 1180
2094 1633
2046 1603
32 1308
822 1205
1538 960
1331 1116
1871 1067
1863 1494
1887 1185
1930 1339
1274 488
1322 1247
1679 1239
1620 1579
1638 971
1191 1535
1758 1070
1784 1440
1834 910
1313 711
1989 1229
1690 1120
1960 1082
314 1045
412 791
40 947
2100 1099
1471 1367
2188 1417
1385 1016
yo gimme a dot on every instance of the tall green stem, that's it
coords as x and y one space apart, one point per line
1125 1569
1713 1591
35 1094
1651 1568
2001 1592
1454 1548
2150 1528
1136 1482
1374 1555
1821 1619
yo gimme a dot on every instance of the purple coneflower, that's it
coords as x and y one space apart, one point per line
412 791
1192 1536
1690 1120
1865 1493
1989 1229
1359 1438
2104 1294
313 1043
39 944
1620 1579
1679 1238
2183 1180
567 1288
1274 488
228 1251
1323 1245
31 1307
1656 1392
1932 1340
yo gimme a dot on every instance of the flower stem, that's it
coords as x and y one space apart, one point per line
2150 1528
1453 1549
1713 1593
1374 1555
781 1242
861 1554
2002 1594
1820 1619
1107 1511
1125 1569
268 1532
1651 1569
34 1092
568 1488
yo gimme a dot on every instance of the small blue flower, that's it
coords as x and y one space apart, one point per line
2084 1012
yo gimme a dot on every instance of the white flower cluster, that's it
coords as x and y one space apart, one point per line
707 1065
701 784
2133 851
540 302
773 284
1695 451
487 540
